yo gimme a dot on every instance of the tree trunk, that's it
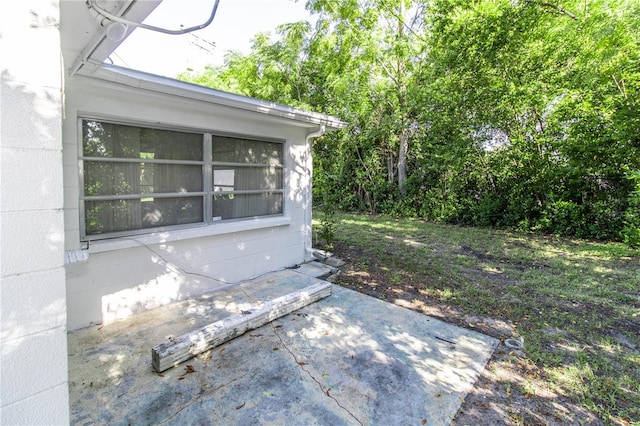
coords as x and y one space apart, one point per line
402 102
402 160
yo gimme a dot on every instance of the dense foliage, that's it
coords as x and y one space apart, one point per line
510 113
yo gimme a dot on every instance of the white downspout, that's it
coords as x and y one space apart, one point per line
308 193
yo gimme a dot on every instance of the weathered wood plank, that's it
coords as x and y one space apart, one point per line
180 349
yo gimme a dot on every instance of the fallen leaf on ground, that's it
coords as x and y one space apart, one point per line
187 370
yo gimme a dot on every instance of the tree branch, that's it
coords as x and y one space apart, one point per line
556 8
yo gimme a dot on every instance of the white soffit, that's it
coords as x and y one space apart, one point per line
84 41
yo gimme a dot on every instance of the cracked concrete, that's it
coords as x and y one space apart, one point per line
348 359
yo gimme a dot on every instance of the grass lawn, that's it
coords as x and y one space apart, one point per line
575 306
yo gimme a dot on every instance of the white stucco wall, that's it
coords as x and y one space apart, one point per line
33 364
124 276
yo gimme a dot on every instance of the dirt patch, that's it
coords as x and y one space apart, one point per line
511 389
486 257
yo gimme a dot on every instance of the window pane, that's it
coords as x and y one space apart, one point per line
235 206
236 150
107 178
246 178
120 141
122 215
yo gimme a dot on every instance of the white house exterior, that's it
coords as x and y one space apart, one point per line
246 165
122 191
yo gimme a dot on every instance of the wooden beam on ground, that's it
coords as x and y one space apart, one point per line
167 355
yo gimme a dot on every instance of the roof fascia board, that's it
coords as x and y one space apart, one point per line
172 87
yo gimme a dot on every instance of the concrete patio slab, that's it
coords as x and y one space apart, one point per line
347 359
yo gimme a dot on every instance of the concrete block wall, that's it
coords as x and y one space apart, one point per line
33 319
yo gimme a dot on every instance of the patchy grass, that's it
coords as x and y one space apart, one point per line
575 304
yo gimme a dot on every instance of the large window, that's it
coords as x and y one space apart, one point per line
138 178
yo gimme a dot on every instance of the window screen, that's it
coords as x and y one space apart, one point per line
247 178
138 178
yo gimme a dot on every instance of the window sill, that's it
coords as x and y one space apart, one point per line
119 243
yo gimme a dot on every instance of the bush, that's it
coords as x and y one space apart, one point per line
562 218
631 230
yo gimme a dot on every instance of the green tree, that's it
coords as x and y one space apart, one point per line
273 71
543 91
493 112
384 42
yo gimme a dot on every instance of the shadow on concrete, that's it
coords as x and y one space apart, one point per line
347 359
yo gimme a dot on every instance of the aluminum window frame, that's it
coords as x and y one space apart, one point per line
207 194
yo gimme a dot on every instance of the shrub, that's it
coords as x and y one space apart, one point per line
631 230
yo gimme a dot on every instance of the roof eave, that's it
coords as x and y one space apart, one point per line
173 87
